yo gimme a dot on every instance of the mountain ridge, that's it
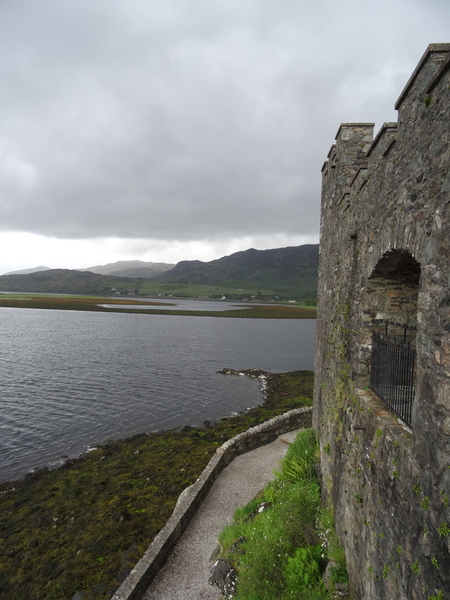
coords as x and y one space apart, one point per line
28 271
131 268
290 272
263 267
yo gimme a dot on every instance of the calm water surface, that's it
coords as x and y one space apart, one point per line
203 305
69 380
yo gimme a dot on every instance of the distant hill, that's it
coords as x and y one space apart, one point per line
28 271
131 268
287 272
279 269
64 281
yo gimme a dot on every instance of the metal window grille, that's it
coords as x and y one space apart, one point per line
392 373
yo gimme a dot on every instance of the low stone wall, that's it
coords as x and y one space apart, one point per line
135 585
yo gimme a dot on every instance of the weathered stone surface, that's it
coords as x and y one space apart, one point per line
224 576
129 559
385 254
446 426
261 508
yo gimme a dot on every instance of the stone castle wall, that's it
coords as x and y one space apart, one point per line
385 254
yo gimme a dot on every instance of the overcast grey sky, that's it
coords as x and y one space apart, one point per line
170 130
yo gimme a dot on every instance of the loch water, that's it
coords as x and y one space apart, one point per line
70 379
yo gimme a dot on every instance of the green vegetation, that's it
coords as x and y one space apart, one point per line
282 551
230 290
84 526
280 274
416 487
288 272
94 303
425 504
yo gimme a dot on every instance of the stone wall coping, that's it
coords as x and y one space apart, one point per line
431 48
383 414
345 193
363 167
439 75
383 129
137 582
333 148
351 125
389 146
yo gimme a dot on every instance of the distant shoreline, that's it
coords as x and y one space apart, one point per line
94 304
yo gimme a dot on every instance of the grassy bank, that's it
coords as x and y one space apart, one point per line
83 526
94 303
280 544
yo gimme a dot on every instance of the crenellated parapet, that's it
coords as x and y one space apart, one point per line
357 155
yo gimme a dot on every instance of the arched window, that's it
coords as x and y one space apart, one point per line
393 289
390 314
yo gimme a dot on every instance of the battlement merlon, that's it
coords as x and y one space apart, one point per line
353 140
386 130
346 157
432 66
349 131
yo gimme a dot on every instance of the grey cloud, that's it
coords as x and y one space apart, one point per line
190 120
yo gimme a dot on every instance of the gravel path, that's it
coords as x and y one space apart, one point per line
185 574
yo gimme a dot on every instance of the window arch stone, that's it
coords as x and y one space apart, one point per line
390 295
